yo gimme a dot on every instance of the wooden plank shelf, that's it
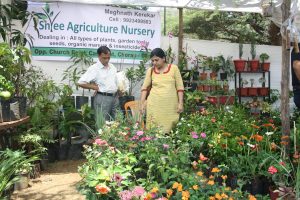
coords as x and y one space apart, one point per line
6 125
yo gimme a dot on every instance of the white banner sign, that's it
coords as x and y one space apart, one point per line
66 28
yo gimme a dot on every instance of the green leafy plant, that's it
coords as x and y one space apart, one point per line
253 50
10 163
263 57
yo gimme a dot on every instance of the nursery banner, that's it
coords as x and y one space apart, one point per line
66 28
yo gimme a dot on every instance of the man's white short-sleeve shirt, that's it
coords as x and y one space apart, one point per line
104 77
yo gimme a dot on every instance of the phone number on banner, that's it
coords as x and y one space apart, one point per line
140 21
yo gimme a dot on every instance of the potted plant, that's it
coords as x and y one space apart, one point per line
203 65
254 63
214 65
240 63
243 91
6 91
265 66
252 91
263 91
227 67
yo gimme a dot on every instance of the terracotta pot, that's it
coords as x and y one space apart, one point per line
230 100
254 65
206 88
212 99
226 88
213 75
265 66
213 88
203 76
263 91
223 99
239 65
252 91
243 92
200 87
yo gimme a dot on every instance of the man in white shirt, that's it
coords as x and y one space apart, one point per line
102 77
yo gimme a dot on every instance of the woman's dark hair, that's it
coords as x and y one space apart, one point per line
158 52
103 49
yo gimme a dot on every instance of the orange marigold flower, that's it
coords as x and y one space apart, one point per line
175 185
215 169
186 194
285 137
218 196
212 198
154 190
268 125
202 157
251 197
258 137
284 143
148 196
230 198
241 143
224 177
195 187
200 173
102 189
224 196
179 188
254 126
211 182
211 177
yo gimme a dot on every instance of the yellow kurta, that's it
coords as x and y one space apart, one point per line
162 101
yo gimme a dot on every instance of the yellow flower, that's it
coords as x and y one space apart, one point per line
200 173
175 185
179 188
224 177
212 198
195 187
215 169
169 193
148 196
211 182
154 190
230 198
228 188
251 197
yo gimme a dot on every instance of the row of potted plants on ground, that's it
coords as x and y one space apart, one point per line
214 153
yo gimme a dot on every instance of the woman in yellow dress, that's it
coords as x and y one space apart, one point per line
165 101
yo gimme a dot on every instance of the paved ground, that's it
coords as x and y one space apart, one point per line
58 182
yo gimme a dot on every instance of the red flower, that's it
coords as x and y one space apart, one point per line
272 170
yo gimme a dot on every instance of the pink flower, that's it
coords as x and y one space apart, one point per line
138 191
118 178
213 120
194 135
165 146
203 135
125 195
139 133
272 170
135 137
100 142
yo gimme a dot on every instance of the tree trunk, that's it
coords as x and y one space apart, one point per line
285 78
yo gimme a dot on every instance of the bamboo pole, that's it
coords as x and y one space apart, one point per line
285 78
180 33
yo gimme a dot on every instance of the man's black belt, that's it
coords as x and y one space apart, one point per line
107 94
